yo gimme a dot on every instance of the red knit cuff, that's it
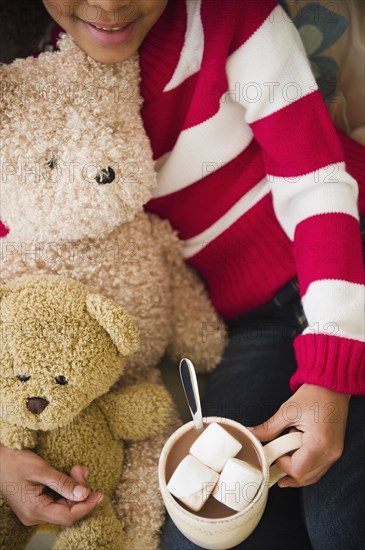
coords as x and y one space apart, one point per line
335 363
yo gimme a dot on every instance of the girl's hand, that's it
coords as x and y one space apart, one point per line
24 477
321 415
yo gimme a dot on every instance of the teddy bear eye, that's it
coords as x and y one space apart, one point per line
105 175
61 380
23 377
51 163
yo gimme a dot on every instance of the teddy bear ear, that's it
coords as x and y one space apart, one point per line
120 327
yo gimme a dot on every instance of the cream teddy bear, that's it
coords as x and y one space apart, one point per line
62 348
77 169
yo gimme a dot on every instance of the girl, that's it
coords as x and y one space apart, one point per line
252 175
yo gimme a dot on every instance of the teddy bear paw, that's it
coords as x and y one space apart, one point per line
92 533
17 437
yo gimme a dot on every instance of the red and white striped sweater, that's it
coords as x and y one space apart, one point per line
252 174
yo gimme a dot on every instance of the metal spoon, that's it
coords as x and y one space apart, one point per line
190 385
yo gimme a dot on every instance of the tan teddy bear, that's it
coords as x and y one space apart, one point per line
77 169
62 348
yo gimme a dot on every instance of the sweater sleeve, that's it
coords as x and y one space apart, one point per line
314 199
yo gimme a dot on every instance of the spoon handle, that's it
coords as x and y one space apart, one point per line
190 385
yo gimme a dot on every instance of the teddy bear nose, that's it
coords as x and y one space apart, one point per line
105 175
36 404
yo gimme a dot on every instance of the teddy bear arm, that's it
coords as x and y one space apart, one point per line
17 437
137 412
198 331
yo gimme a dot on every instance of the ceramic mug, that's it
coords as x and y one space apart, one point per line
216 533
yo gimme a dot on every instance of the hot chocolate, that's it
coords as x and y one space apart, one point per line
212 508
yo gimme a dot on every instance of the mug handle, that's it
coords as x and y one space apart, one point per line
279 447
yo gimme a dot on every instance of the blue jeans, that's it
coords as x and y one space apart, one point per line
249 386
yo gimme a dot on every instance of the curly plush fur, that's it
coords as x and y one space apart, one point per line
68 124
52 327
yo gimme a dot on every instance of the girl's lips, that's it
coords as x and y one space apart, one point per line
110 37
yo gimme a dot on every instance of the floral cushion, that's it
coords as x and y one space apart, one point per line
333 36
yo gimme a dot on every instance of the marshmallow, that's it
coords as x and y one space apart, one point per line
192 482
215 446
238 484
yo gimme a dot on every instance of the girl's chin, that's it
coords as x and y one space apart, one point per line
106 55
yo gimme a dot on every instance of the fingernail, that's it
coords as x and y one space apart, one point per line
96 497
79 491
85 471
250 428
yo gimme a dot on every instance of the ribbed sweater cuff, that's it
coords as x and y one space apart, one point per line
335 363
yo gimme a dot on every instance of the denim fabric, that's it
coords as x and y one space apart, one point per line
249 386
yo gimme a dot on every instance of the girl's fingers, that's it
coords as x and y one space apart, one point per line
65 512
299 463
289 481
38 493
80 474
270 429
304 467
63 484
